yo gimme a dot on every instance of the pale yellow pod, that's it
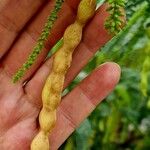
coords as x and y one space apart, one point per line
47 120
51 94
57 83
86 10
40 142
62 60
45 91
72 36
53 102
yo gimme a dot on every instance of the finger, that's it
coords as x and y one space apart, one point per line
78 104
95 36
14 14
28 38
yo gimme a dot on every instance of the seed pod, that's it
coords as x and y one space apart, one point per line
51 94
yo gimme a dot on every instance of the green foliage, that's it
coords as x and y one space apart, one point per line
119 48
132 6
122 120
146 65
115 20
40 42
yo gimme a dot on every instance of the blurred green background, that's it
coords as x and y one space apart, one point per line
122 120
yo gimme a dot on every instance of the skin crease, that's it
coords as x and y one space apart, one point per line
20 105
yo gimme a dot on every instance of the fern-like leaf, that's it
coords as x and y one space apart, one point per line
115 20
40 42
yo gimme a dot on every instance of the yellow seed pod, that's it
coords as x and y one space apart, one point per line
40 142
64 56
45 91
51 94
53 103
75 31
47 119
86 10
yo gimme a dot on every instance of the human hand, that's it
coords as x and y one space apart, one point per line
20 103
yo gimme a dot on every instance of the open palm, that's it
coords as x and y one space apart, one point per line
21 22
